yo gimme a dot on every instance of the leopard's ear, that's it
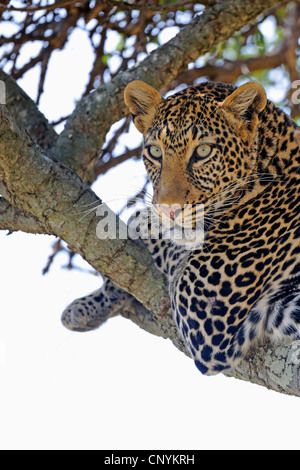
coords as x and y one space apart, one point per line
142 101
243 105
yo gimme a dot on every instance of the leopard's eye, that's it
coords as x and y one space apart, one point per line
155 152
203 151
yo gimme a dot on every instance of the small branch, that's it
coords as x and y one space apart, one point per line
173 6
110 146
34 8
57 248
122 5
102 167
140 195
4 5
230 71
59 121
44 67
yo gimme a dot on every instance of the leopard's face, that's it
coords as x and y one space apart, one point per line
199 152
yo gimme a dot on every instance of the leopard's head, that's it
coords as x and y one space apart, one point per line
200 147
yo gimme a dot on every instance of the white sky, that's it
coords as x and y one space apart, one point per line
117 387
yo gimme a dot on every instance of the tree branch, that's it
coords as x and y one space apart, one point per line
23 108
276 367
172 6
14 219
231 70
102 167
34 8
123 4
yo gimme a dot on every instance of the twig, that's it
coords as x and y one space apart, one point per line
133 200
57 247
102 167
32 9
174 6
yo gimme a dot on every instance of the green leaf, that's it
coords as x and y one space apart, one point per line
297 120
259 40
121 43
280 13
104 58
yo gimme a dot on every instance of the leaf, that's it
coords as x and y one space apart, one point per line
105 57
280 13
121 43
259 41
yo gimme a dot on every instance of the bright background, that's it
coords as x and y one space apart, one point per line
117 387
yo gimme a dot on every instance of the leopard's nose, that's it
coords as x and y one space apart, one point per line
171 211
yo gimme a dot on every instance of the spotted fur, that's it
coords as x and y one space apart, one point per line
243 283
91 311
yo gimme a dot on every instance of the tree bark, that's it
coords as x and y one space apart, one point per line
14 219
48 191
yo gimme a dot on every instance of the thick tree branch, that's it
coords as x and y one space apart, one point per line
276 367
25 111
14 219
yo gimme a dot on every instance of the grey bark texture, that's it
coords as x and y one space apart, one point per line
45 185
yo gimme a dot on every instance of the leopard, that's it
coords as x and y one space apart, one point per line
224 166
